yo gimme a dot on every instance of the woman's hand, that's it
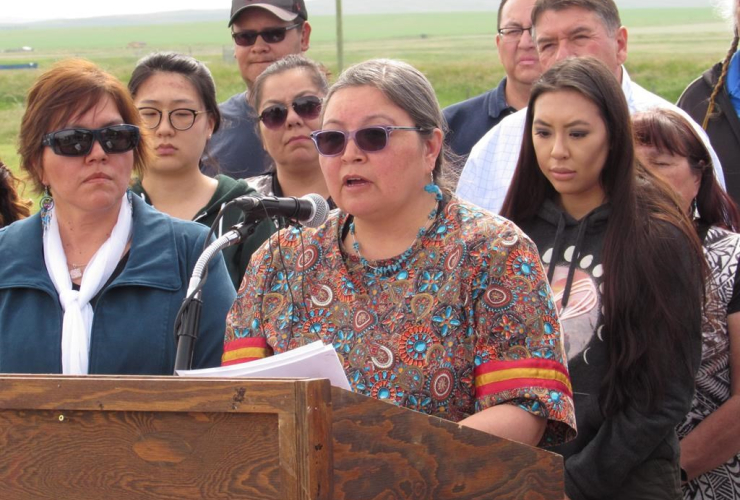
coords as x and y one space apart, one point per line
717 438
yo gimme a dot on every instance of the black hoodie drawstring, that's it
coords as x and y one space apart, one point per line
557 247
574 259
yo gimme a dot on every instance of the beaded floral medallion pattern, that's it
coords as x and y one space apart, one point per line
465 322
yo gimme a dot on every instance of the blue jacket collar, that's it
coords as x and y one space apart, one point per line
152 262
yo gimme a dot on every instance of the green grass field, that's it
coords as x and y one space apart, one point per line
668 48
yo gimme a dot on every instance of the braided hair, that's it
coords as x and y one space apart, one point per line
721 81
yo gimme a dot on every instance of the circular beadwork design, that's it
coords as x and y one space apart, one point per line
499 298
441 384
414 345
308 258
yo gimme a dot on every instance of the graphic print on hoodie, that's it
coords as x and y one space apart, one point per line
601 462
571 254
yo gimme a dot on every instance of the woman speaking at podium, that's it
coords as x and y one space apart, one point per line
431 303
93 282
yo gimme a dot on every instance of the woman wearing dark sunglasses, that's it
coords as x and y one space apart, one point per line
176 97
93 282
287 97
431 303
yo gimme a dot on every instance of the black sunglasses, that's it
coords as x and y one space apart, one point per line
270 35
79 141
369 139
307 107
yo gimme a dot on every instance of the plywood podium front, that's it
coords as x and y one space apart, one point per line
116 437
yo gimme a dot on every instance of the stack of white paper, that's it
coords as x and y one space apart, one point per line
314 360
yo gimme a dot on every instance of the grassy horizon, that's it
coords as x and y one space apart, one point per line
668 48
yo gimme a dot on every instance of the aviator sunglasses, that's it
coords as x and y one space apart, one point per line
307 107
368 139
79 141
271 35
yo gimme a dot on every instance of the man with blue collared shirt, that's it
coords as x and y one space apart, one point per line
471 119
563 28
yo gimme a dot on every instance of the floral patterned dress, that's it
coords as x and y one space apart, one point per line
465 322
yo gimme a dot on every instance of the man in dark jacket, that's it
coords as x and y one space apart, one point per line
723 126
471 119
263 32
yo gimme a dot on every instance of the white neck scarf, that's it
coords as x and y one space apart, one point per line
78 313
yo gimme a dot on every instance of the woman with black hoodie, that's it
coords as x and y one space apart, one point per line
626 270
176 97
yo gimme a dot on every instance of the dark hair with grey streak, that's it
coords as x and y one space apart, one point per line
606 10
287 63
407 88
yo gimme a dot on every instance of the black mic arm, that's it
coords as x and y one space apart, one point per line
186 329
310 210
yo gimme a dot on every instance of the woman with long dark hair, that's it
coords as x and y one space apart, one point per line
710 433
626 270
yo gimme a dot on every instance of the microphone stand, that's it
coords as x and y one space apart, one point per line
186 330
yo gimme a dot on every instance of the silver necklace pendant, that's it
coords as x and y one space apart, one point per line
75 272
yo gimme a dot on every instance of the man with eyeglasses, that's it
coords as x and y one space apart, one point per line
562 29
263 32
471 119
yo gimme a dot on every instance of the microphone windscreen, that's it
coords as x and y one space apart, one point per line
321 210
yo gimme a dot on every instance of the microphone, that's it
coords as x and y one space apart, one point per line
311 210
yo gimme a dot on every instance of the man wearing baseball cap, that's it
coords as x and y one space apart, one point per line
263 32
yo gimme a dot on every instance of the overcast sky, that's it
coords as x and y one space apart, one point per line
20 10
13 11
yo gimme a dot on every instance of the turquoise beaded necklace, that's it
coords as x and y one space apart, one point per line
399 261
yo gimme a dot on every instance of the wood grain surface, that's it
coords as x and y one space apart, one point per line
117 438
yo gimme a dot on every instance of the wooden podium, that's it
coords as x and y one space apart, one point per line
106 437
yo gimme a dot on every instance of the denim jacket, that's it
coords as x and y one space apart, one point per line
133 324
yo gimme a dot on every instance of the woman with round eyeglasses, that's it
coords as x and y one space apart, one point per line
176 97
431 303
92 283
287 97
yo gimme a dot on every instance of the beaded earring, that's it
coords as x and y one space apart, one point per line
47 204
693 210
432 188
